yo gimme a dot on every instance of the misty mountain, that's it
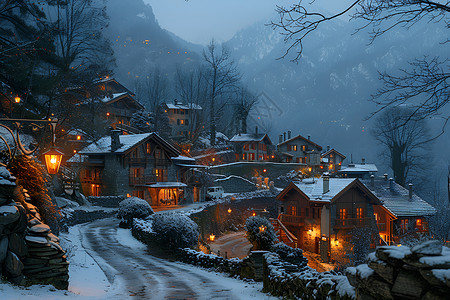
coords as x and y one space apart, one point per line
326 94
140 44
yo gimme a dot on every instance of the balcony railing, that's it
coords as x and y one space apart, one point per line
290 219
352 222
92 180
149 160
143 180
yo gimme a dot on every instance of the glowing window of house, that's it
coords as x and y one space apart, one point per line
293 210
244 156
342 213
246 147
376 217
182 122
167 194
148 148
294 147
419 224
303 147
252 156
359 213
158 153
95 190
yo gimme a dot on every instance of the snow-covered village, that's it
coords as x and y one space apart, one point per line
212 149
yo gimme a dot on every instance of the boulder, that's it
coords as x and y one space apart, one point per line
9 214
429 248
384 270
4 199
409 284
13 265
40 229
17 245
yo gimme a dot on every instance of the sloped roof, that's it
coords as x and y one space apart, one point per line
116 97
397 201
113 80
335 151
183 106
359 168
127 141
312 189
302 138
250 137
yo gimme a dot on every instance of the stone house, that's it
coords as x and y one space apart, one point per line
183 118
332 160
141 165
299 149
329 216
252 146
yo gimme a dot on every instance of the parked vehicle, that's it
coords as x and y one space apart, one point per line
214 192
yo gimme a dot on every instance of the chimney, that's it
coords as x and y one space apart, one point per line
385 176
175 102
410 191
326 183
391 184
115 140
256 130
363 161
328 147
372 180
280 140
284 136
289 134
309 137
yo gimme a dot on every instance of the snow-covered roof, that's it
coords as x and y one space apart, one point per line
248 137
183 106
397 201
335 151
359 168
313 188
302 138
107 99
103 145
167 184
184 158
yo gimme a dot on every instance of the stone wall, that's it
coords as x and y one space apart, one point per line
29 252
420 272
235 184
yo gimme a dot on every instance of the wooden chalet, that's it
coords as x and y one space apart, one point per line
252 146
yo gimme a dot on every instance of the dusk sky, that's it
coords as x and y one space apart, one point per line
198 21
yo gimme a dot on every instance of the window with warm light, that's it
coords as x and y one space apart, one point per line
148 148
359 213
342 213
293 210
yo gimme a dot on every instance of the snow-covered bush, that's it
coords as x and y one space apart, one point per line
175 230
133 207
289 254
260 233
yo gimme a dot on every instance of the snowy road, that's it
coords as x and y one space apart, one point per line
140 275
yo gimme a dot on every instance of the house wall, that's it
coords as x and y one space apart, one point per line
179 120
301 154
334 161
252 151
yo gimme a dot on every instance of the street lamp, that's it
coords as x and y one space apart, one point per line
53 159
17 99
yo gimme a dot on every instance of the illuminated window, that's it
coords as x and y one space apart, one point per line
293 210
148 148
182 122
95 190
359 213
376 217
252 156
304 148
246 147
342 213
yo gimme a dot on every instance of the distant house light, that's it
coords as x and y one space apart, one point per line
17 99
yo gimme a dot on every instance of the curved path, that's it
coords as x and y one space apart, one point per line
232 245
147 277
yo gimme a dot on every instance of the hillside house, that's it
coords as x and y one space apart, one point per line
111 101
141 165
252 146
183 118
299 149
329 215
332 160
361 170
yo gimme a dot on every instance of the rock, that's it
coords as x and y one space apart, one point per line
384 270
36 239
4 200
428 248
435 294
13 265
409 284
430 277
40 228
53 238
18 280
33 222
3 248
17 245
9 214
21 224
392 255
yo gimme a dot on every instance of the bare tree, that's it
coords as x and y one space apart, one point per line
154 89
404 141
221 75
426 82
244 102
191 88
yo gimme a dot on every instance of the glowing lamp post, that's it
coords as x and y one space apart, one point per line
262 228
212 237
229 210
53 159
17 99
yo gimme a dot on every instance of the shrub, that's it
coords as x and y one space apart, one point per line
133 207
175 230
260 233
289 254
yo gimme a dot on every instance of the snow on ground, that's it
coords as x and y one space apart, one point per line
88 281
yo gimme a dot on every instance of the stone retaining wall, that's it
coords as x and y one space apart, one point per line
420 272
106 201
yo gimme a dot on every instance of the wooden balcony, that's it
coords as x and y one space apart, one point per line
149 179
291 220
352 222
91 180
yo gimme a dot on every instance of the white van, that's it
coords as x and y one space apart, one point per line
214 192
